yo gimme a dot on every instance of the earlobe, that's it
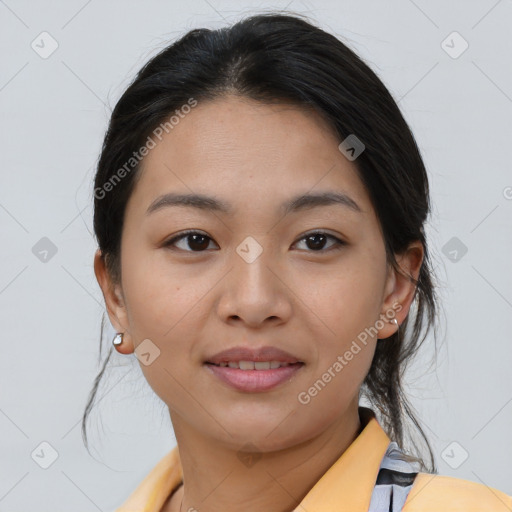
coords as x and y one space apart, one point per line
121 344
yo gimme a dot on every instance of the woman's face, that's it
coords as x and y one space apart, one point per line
251 277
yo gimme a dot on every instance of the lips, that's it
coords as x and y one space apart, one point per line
253 370
256 355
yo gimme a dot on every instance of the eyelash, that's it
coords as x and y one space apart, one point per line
337 245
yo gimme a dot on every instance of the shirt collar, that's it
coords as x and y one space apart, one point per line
346 486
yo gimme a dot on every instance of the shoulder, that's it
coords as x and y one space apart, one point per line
431 492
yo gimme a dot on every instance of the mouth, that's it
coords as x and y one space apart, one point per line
254 365
254 376
253 369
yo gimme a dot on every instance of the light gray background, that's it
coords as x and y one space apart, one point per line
54 113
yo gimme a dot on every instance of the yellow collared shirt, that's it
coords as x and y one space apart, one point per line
347 486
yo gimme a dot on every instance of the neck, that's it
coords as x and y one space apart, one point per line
218 476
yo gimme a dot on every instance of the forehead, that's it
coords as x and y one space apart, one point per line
253 155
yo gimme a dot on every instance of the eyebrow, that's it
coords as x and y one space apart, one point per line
212 204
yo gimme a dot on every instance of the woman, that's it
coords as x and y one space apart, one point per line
260 205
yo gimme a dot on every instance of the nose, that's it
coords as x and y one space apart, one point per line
255 292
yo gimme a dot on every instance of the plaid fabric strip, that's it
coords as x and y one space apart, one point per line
394 481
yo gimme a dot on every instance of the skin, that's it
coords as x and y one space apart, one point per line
192 303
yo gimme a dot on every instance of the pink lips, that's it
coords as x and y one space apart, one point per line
253 380
252 354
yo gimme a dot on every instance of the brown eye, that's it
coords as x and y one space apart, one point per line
316 241
196 241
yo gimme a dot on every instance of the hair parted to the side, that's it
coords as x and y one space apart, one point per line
274 58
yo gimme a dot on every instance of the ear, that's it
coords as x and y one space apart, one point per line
114 301
400 290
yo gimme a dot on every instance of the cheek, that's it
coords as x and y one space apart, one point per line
158 293
343 302
164 305
164 309
342 308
